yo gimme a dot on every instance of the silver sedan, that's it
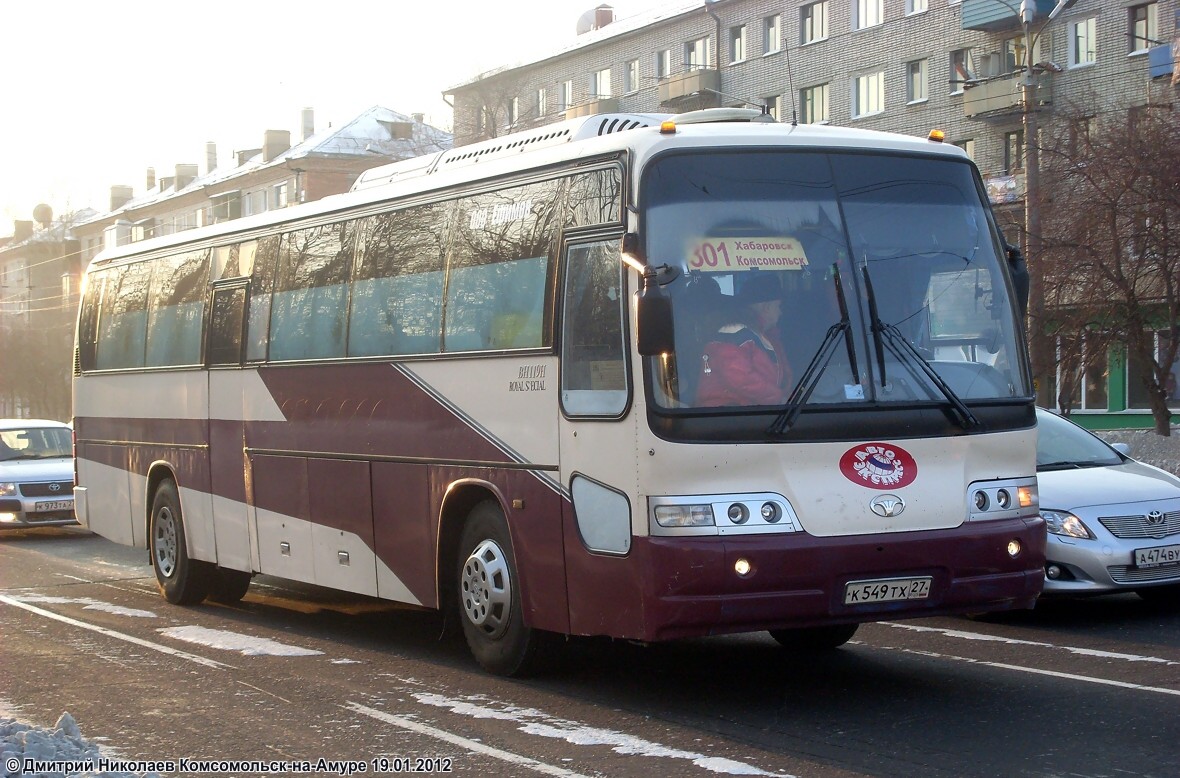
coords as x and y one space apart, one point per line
1114 523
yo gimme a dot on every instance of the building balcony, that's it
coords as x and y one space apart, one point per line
992 15
1003 96
691 83
599 105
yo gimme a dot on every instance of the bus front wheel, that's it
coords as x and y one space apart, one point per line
182 580
488 590
815 638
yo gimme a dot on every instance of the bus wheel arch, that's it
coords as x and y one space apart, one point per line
181 579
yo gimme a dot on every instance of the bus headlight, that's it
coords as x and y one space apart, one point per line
684 515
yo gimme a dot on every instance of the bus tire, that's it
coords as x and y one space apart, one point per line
228 587
815 638
488 593
182 580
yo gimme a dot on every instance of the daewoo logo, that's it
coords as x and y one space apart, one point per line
887 505
879 466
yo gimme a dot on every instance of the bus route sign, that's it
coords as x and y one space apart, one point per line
728 255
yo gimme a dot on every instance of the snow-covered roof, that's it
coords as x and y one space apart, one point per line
615 29
367 135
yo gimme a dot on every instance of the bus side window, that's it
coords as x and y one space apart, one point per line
122 326
225 326
594 364
261 289
176 309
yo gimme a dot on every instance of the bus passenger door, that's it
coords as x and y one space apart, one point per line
597 440
229 402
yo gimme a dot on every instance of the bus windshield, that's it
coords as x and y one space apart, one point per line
811 279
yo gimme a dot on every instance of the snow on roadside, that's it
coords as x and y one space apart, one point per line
63 746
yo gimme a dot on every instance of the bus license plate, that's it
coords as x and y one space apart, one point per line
886 590
1154 557
55 505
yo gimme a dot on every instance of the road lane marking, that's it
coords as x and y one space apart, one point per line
981 636
117 635
1032 670
536 722
225 640
465 743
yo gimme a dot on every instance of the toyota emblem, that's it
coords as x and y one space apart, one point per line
887 505
55 487
1155 518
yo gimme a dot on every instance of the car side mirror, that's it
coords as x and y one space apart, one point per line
1122 448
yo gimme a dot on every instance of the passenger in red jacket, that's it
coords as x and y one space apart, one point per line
745 363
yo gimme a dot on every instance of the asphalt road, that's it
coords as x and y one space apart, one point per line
295 673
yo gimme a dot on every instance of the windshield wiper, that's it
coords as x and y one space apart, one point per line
815 369
890 337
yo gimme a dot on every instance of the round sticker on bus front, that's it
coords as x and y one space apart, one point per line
879 466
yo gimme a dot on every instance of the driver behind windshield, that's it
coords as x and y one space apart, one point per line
744 362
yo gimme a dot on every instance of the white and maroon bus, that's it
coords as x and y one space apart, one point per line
475 383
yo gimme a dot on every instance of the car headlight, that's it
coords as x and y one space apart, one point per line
684 515
1064 523
7 489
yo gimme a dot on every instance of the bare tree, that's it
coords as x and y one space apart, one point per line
1111 221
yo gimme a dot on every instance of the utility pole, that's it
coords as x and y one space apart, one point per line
1040 346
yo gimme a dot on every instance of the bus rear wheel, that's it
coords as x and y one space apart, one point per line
488 589
815 638
182 580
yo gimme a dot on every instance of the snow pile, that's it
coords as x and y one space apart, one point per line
1146 446
63 748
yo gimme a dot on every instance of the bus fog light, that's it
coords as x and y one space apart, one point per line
1014 548
1003 499
742 567
1052 572
771 513
738 513
981 500
684 515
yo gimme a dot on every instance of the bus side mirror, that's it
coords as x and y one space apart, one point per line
653 317
1019 270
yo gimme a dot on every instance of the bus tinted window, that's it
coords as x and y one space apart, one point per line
176 303
261 286
88 319
593 370
122 328
594 198
499 266
397 288
311 293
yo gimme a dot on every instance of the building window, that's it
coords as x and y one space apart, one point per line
1081 131
1144 27
542 103
567 95
772 27
737 43
1137 397
916 7
814 102
600 84
814 23
513 111
1082 49
1082 373
664 63
866 13
868 94
280 195
962 69
967 145
696 54
631 76
915 81
1013 151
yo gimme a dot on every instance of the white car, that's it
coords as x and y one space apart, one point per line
36 473
1114 523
